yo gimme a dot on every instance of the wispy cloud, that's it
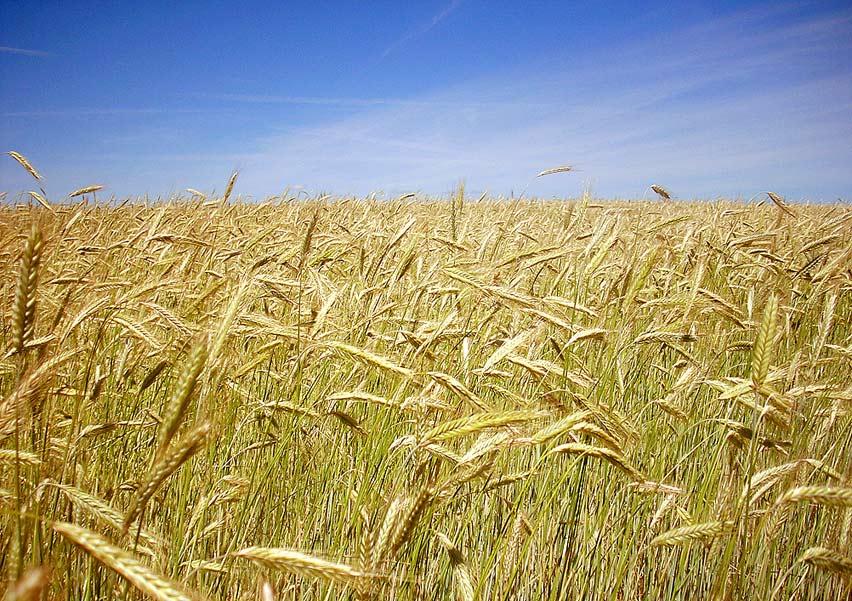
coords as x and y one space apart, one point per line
424 28
722 119
103 112
350 102
24 51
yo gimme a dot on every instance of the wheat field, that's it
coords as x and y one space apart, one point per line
425 399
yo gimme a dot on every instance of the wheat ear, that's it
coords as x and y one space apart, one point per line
123 563
779 202
762 349
820 495
613 457
23 311
176 408
662 192
302 564
563 169
685 534
827 559
30 586
40 200
86 190
176 456
476 423
462 581
371 358
101 510
230 187
22 160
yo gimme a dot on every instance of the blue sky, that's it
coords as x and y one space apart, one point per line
706 98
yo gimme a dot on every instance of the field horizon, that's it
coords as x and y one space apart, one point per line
102 198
